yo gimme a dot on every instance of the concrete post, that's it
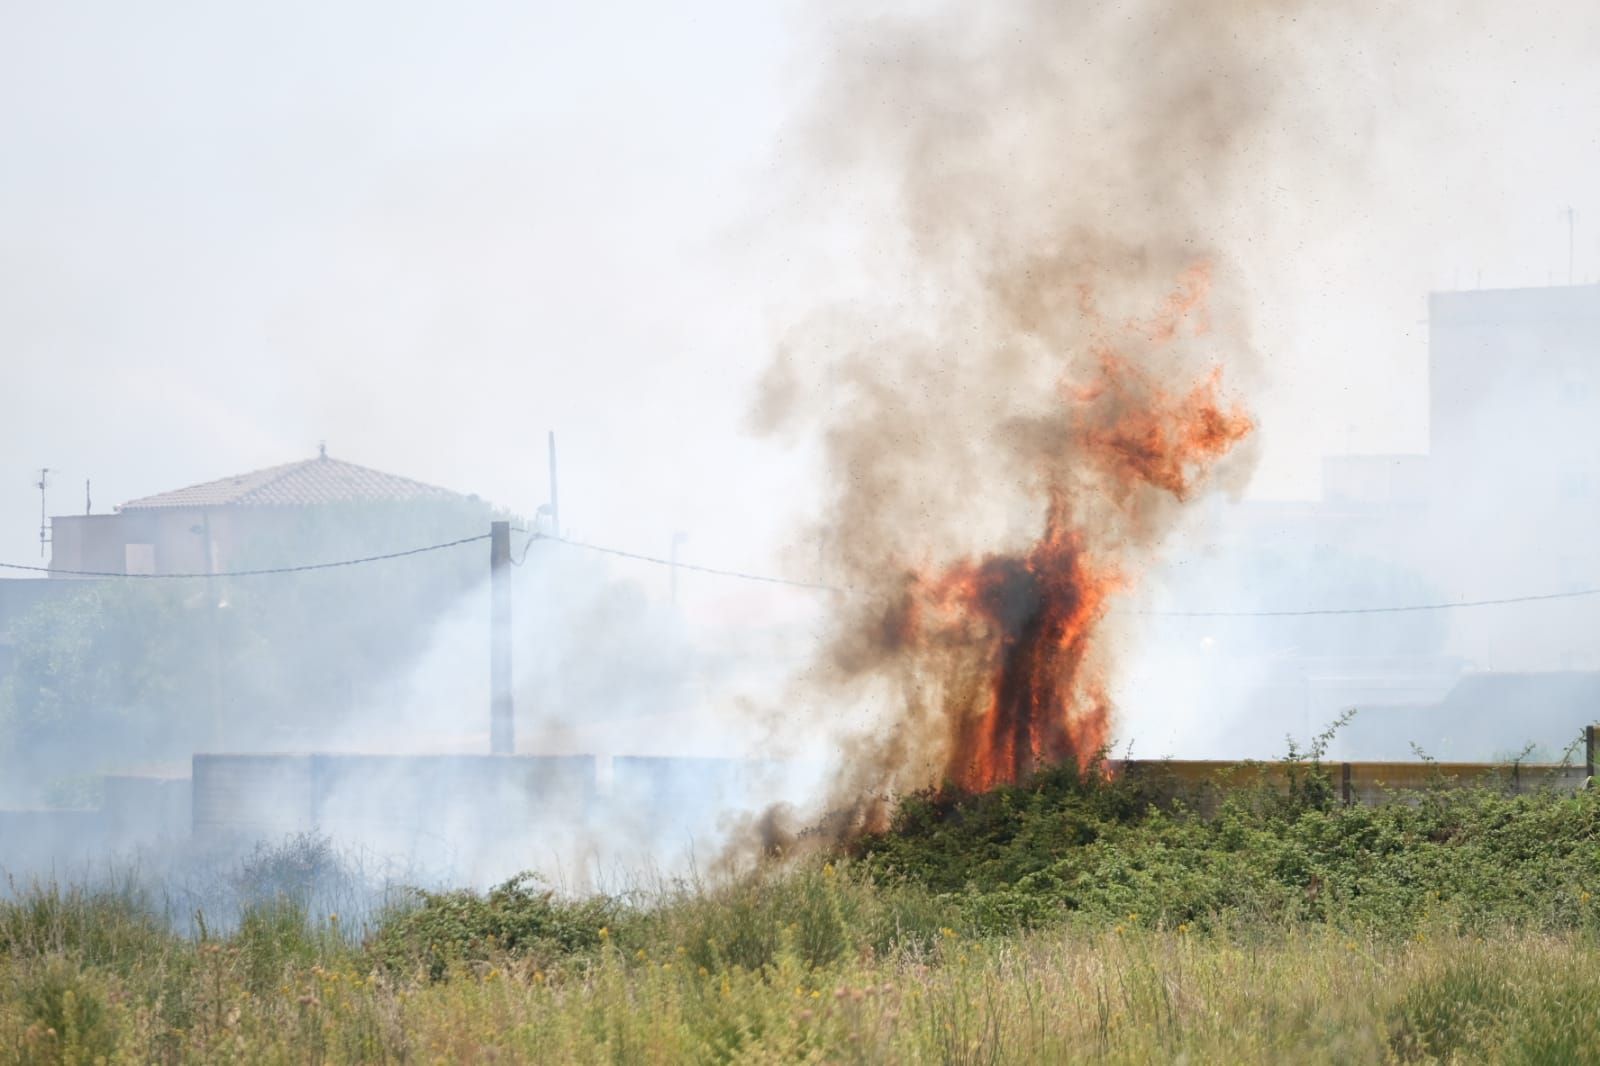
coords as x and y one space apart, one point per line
501 738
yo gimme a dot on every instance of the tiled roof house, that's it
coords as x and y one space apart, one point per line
196 529
303 484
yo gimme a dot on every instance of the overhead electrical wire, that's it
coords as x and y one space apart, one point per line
1300 613
743 575
253 573
1405 609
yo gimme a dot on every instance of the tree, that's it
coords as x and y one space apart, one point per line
122 670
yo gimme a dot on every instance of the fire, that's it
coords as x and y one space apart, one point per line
1010 638
1032 617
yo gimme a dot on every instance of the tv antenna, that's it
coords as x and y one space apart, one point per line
552 509
1572 225
44 521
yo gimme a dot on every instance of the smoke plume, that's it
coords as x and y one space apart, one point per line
1043 364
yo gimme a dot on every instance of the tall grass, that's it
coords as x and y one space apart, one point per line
1067 920
279 989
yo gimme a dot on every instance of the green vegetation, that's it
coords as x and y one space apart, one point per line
1070 848
1070 919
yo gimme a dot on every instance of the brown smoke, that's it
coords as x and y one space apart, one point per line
1039 370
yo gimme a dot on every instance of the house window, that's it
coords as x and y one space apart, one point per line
139 559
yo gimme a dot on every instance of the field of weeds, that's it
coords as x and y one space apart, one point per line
98 984
1066 920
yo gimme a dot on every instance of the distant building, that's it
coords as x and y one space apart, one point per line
1513 375
203 527
1514 466
1507 500
1504 504
1484 717
1383 481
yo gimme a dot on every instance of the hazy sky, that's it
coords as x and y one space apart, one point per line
430 233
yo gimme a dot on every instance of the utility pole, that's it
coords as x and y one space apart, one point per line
555 499
501 738
1572 223
44 520
214 637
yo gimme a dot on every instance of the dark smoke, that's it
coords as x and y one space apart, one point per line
1053 205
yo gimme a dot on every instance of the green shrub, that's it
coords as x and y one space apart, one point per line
517 917
822 911
1066 845
304 868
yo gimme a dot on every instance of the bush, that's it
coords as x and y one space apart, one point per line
1066 845
517 917
821 911
304 869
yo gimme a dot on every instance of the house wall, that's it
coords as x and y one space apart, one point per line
175 537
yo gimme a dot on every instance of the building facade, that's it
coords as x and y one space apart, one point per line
205 528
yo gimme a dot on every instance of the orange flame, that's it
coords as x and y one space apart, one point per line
1015 633
1035 616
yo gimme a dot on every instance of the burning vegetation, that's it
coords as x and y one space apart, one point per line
1035 368
1008 639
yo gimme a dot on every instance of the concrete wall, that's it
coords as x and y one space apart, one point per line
142 809
45 843
1204 784
684 803
135 812
433 803
366 795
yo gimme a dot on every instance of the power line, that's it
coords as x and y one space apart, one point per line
1299 613
1406 609
255 573
659 561
770 580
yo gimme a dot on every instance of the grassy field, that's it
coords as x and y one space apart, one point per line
1069 920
